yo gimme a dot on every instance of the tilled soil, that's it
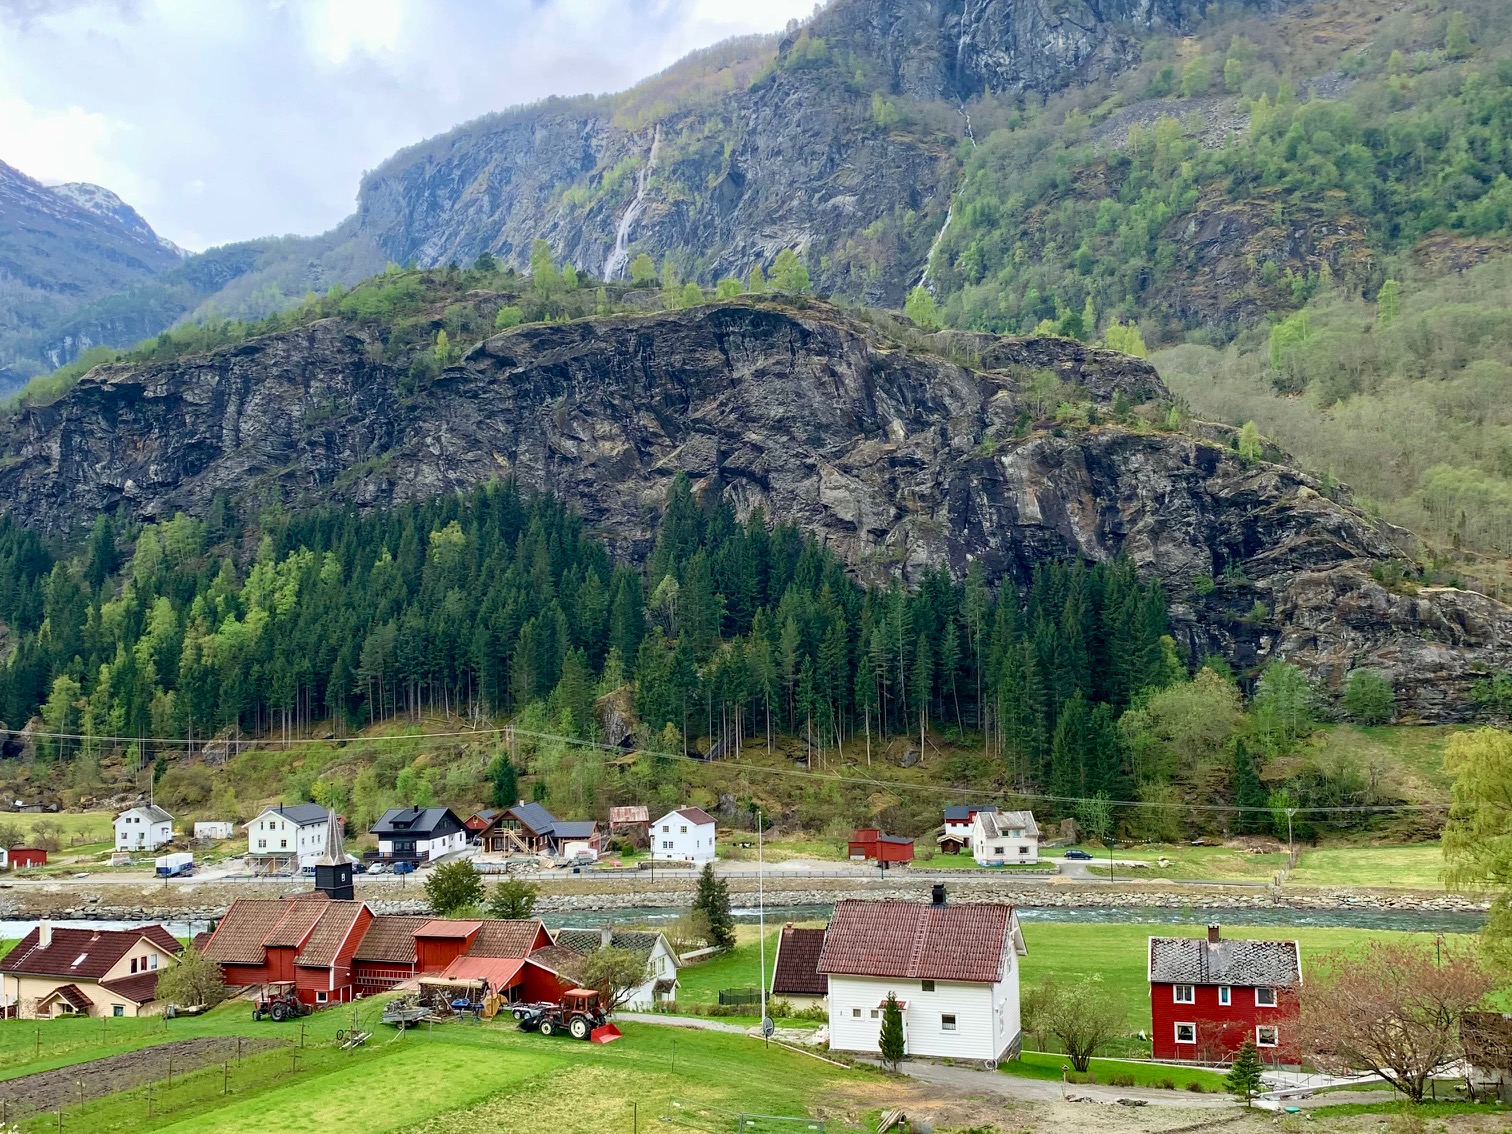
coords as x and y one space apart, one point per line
47 1090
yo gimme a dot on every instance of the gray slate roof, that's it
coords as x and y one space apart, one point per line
997 825
1247 964
429 822
534 816
960 813
574 828
153 813
302 814
585 941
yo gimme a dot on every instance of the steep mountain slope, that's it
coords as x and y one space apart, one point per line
62 247
900 452
813 154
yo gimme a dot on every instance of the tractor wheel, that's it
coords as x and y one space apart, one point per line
548 1028
579 1028
256 1015
280 1013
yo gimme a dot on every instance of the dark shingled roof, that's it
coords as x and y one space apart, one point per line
1247 964
534 816
796 972
498 938
695 815
300 814
423 821
962 813
138 989
574 828
87 954
920 941
390 937
562 961
641 942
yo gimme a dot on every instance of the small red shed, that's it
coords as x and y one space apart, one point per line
21 857
870 844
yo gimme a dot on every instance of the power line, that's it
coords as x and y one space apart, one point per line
799 773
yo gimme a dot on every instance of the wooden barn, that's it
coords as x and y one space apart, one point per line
868 844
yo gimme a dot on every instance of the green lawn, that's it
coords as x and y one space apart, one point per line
739 968
1412 867
453 1077
1046 1065
1202 863
1415 867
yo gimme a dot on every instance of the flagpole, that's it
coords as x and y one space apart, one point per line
761 920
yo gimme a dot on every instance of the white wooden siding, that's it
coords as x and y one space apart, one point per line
977 1035
675 838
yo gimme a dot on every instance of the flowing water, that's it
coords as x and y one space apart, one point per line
939 236
620 257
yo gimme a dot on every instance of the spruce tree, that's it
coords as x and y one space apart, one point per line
1244 1077
1249 792
713 901
506 783
891 1039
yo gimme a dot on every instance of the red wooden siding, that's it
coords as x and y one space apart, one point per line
1220 1028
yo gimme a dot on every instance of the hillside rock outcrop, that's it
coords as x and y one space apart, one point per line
898 451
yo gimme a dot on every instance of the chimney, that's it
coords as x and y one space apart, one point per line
44 933
937 895
1213 933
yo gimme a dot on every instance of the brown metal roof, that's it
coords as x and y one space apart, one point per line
695 815
917 940
498 938
86 954
73 994
238 939
390 937
138 989
295 926
330 934
796 972
629 815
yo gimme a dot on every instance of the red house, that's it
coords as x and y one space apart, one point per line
1208 994
870 844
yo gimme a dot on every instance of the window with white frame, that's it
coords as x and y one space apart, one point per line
875 1013
998 851
1265 998
1186 1033
1184 994
947 1023
926 986
1225 995
856 1013
1266 1036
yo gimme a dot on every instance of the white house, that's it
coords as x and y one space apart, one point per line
419 834
953 970
684 835
651 947
283 838
143 828
955 835
214 829
1002 837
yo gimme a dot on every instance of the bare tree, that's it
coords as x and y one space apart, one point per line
1081 1015
1394 1010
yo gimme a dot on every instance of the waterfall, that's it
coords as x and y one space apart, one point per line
620 257
939 236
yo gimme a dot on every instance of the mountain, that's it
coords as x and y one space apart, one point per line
900 451
62 247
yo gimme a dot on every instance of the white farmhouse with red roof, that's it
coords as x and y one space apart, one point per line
953 969
684 835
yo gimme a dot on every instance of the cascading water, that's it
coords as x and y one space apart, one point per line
620 257
939 236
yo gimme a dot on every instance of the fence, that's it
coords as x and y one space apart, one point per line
739 997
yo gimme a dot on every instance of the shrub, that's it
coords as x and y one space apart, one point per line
1368 697
1120 1080
1165 1084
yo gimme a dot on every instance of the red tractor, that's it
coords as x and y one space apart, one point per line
579 1014
279 1002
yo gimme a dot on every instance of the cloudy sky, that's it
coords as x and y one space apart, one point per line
221 120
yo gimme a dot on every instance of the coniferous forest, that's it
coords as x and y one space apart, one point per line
489 603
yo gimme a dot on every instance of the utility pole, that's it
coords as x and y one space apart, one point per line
766 1022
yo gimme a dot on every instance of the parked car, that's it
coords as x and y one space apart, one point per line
377 868
403 867
1081 855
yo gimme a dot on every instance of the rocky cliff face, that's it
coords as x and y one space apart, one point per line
797 160
892 454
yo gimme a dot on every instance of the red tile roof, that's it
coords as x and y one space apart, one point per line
390 937
162 938
73 994
695 815
796 972
81 953
138 989
239 936
921 941
448 927
331 931
498 938
295 926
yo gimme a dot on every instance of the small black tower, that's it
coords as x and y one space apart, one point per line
333 870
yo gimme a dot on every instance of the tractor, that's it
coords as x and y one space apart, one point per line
578 1013
278 1002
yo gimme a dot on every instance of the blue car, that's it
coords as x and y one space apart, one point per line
403 867
1078 854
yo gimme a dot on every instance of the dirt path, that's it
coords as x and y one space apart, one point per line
46 1090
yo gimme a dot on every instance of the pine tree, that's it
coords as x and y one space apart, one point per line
505 782
891 1040
1244 1077
1249 792
713 901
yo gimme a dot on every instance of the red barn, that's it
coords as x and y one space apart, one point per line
1208 994
22 857
386 957
870 844
310 940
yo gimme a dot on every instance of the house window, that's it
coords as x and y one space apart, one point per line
1265 1035
1265 998
283 844
682 830
1225 995
666 829
947 1024
927 985
998 851
152 961
262 844
118 1009
133 964
875 1014
320 998
1186 1033
1184 994
856 1012
1023 850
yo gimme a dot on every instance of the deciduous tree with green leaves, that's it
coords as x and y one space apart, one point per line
513 899
1478 836
453 886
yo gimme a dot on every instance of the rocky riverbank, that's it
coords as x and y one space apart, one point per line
204 902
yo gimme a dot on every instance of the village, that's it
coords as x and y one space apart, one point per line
936 982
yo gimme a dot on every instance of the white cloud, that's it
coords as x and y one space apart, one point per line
230 119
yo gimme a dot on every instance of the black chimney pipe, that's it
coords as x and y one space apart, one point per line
937 895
